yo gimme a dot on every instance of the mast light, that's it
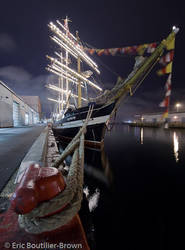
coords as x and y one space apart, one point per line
50 86
74 46
75 73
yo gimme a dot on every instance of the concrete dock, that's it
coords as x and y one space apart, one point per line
44 151
14 144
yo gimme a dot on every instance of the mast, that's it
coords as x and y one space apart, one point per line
59 96
61 86
67 55
60 66
79 81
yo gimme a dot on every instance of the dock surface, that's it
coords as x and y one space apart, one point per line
14 144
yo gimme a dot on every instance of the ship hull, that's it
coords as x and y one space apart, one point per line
68 127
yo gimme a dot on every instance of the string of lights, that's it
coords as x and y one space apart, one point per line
63 91
74 46
74 73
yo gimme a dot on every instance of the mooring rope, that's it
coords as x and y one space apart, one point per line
69 200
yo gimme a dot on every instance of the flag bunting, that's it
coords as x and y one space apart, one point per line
129 50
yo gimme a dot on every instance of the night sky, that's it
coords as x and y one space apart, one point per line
24 43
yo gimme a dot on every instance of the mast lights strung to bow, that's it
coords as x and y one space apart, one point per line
54 100
74 46
66 30
57 101
64 46
59 74
53 60
62 73
50 86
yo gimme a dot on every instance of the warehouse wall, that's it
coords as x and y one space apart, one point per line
6 107
9 103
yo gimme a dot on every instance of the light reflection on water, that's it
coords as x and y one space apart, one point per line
176 146
175 139
138 180
148 166
141 135
98 179
93 199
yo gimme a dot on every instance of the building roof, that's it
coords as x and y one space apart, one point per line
33 101
21 98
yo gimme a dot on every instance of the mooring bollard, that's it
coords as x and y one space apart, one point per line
38 184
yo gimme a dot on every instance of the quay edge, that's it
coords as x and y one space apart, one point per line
71 233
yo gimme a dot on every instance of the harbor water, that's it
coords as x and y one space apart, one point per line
136 189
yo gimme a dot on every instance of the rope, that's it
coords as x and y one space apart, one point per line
72 196
101 62
70 199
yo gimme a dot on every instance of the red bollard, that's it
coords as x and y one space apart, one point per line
37 184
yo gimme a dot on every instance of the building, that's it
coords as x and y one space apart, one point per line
157 117
14 111
34 102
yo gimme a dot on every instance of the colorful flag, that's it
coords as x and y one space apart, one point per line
91 51
165 70
141 49
100 52
165 114
106 52
129 50
168 85
165 102
113 51
167 58
151 47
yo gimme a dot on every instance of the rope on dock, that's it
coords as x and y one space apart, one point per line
69 200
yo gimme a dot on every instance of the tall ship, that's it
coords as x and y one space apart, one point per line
75 85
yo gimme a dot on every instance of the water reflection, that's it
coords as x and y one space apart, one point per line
98 179
176 146
97 166
160 135
96 169
93 199
141 135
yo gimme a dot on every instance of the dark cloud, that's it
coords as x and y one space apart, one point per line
14 73
24 83
7 43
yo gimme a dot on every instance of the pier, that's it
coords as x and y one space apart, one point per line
43 152
157 124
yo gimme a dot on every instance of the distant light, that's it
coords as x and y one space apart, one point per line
178 105
175 117
175 29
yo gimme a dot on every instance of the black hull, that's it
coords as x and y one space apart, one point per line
68 127
94 134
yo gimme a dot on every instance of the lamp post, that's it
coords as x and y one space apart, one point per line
178 105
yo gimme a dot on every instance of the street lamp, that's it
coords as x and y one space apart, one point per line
178 105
